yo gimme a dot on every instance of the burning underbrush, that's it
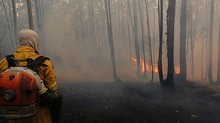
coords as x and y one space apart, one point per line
149 68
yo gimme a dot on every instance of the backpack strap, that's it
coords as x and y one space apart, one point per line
34 64
31 64
11 61
39 61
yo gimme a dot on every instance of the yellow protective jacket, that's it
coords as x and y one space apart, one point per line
46 73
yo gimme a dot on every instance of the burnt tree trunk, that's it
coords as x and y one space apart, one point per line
170 43
160 59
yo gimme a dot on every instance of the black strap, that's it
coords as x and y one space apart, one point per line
11 61
31 64
39 60
34 64
36 52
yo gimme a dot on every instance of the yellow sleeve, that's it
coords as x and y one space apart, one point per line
50 77
3 65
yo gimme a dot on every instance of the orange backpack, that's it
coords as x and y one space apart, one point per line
20 88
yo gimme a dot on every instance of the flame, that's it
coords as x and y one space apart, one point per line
156 69
142 66
177 70
149 67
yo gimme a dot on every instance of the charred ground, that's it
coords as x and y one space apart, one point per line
139 103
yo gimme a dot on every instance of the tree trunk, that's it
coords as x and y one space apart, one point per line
136 43
30 16
91 21
160 59
110 35
143 40
193 36
150 43
15 19
191 46
82 25
154 39
183 22
202 60
170 43
39 21
129 29
218 71
8 24
38 18
211 42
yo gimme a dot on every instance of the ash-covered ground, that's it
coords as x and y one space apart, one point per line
136 102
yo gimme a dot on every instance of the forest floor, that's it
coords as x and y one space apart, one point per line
129 102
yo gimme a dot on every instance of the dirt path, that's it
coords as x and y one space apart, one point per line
139 103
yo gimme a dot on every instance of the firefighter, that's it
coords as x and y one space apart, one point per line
29 47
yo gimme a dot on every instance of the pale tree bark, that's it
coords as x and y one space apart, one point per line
30 15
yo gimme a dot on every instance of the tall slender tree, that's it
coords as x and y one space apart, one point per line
91 21
160 59
183 25
129 27
136 42
211 41
15 19
170 42
142 38
218 70
110 36
39 19
150 42
8 24
30 15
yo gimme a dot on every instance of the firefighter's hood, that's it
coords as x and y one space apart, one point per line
30 38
